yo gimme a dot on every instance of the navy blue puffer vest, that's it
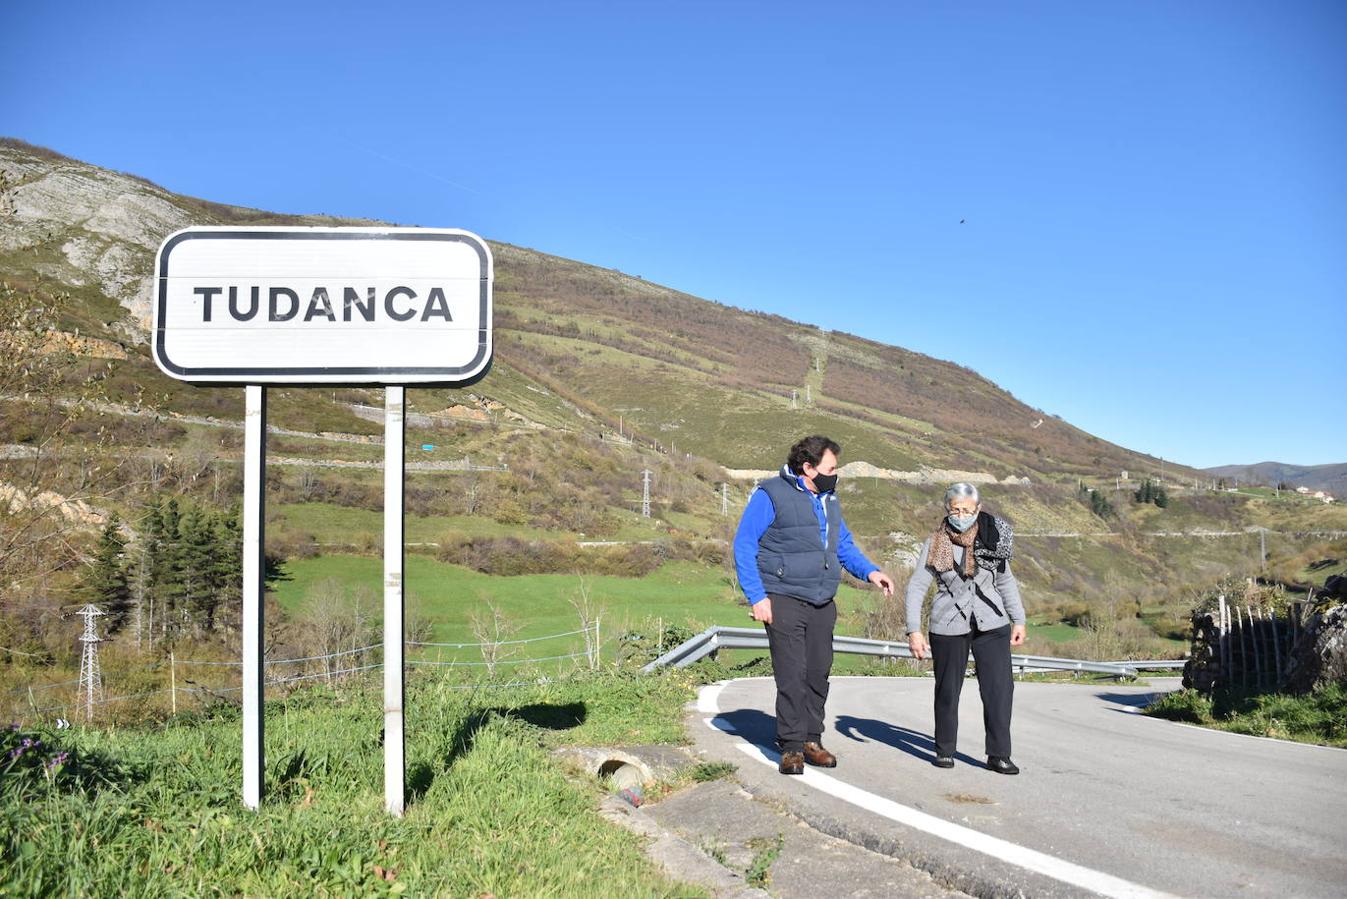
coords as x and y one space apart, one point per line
792 559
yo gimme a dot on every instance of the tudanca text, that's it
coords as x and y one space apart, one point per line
282 304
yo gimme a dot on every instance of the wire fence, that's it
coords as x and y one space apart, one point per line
591 629
354 661
455 664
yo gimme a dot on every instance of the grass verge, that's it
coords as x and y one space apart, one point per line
1319 717
156 812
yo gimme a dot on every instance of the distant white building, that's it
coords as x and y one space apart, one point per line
1302 490
1328 499
1318 494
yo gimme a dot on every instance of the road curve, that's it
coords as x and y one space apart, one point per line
1109 802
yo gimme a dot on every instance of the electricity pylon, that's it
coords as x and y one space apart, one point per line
91 676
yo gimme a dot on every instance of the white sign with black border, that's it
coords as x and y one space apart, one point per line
323 306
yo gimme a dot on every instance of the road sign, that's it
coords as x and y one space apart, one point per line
309 306
323 305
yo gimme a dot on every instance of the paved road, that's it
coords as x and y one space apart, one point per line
1109 802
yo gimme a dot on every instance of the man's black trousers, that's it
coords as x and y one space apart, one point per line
991 651
801 641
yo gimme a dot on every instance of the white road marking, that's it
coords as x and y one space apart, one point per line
1004 850
708 696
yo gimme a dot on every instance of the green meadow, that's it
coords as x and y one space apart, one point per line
679 594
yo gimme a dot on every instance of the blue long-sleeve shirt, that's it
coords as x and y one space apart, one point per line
759 515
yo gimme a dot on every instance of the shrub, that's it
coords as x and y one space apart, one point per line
1182 705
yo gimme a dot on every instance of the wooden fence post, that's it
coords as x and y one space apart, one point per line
1243 652
1257 657
1223 643
1276 646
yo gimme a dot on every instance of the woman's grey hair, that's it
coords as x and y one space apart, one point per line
961 490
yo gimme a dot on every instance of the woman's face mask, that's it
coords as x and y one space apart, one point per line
962 523
962 519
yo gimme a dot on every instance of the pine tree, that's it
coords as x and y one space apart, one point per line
198 592
105 583
1152 493
147 568
166 567
1100 505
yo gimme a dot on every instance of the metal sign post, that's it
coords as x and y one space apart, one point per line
394 475
254 577
323 306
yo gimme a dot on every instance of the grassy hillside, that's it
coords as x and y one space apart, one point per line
718 377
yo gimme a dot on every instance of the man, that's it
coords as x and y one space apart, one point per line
787 551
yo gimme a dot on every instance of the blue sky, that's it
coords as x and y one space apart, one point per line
1155 194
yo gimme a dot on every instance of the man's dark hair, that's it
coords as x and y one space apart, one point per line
811 450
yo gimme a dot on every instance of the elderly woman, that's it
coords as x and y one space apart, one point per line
977 606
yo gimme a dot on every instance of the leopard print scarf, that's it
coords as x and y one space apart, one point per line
941 556
992 552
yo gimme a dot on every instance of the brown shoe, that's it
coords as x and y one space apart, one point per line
816 755
792 763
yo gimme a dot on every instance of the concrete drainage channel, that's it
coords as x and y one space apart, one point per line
629 772
713 833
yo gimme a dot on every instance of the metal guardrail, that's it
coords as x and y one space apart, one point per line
716 638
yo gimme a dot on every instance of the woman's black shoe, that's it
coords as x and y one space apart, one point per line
1001 766
943 761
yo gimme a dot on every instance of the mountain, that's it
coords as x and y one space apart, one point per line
598 376
714 379
1331 479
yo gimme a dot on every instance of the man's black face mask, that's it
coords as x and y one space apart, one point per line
825 482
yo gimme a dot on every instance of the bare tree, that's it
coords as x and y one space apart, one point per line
416 625
492 629
888 619
49 483
472 492
590 614
329 623
1112 629
198 457
308 482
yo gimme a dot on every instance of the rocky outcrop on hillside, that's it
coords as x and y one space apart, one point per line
74 511
79 225
75 224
